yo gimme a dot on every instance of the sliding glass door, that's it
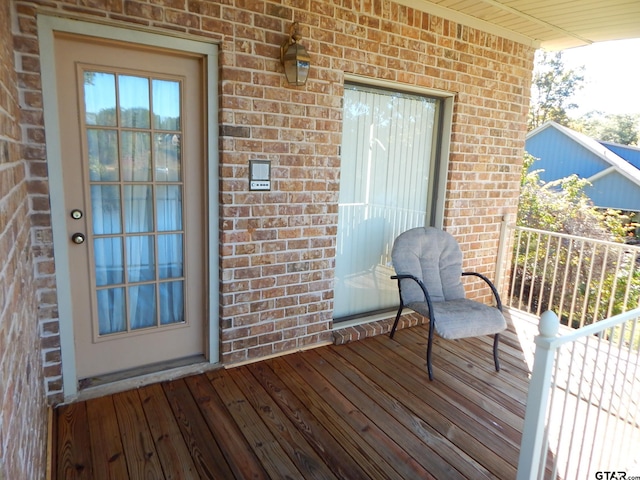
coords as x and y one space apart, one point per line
387 185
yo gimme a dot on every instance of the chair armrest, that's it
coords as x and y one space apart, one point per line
493 288
406 276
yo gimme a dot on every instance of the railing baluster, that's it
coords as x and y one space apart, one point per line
587 289
555 275
533 274
614 286
601 284
544 278
576 284
565 388
565 281
619 391
514 268
524 271
632 263
576 411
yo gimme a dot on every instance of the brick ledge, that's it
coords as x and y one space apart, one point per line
353 333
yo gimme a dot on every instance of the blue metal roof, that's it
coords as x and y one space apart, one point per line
629 153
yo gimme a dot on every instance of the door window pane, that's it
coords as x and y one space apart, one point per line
166 105
138 208
141 265
100 99
103 155
142 306
105 209
166 150
170 256
136 156
386 187
171 303
111 311
108 260
169 207
134 101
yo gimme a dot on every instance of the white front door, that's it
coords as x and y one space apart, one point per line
133 158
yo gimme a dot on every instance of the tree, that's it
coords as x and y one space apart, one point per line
621 129
551 89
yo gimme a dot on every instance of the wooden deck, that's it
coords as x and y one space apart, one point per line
365 410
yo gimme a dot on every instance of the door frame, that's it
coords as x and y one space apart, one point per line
47 25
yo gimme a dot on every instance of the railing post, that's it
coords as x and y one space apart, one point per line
502 249
531 455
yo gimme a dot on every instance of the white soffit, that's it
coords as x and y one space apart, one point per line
549 24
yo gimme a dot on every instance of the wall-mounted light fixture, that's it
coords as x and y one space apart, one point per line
295 58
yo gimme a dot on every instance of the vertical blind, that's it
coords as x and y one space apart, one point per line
386 185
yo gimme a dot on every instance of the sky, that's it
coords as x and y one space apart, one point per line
612 77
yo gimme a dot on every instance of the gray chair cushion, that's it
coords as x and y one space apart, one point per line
434 257
462 318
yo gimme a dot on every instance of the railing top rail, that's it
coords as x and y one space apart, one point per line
588 330
575 237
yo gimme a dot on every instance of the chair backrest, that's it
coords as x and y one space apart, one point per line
433 256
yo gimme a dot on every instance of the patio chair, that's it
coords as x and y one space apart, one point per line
428 265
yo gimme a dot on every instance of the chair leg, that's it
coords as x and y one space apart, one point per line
429 348
395 324
496 340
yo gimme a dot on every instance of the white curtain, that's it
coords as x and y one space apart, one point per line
385 188
136 200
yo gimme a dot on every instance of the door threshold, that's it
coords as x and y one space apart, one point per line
109 384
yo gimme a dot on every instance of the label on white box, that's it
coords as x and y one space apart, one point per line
260 185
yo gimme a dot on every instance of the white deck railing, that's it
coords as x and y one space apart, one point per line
580 279
583 408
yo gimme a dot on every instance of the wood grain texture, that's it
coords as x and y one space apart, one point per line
364 410
73 443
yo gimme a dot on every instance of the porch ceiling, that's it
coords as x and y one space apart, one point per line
549 24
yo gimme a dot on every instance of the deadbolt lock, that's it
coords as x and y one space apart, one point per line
77 238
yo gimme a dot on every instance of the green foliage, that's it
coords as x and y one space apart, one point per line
551 90
621 129
561 206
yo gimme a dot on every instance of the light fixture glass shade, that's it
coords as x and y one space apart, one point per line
295 59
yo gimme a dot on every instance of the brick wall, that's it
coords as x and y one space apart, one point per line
23 419
277 248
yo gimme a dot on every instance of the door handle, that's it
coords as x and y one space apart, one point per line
77 238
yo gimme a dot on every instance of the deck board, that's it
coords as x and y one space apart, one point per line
141 456
172 450
364 410
73 456
242 461
207 456
107 452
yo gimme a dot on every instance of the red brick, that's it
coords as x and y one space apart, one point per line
278 247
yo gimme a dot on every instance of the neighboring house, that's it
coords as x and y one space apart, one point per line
129 230
613 171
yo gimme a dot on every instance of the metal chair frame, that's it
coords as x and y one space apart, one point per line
432 319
